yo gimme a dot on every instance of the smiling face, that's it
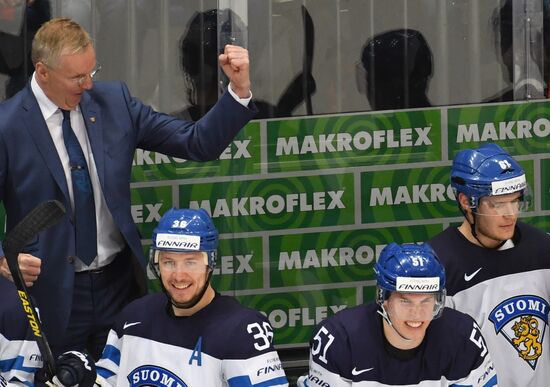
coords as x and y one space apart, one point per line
65 80
495 219
184 275
410 314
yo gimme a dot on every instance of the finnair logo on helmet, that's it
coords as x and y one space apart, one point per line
509 186
175 241
416 284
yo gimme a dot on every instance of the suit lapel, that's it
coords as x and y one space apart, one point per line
92 119
38 130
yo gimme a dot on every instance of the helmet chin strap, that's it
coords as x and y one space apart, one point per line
472 224
473 229
386 318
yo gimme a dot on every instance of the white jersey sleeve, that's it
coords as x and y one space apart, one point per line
484 374
330 356
107 367
20 356
19 360
267 369
321 376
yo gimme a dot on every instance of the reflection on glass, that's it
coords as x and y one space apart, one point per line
395 69
142 43
199 58
200 46
15 50
533 83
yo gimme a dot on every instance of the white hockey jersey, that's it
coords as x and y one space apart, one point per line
507 292
19 354
349 349
224 344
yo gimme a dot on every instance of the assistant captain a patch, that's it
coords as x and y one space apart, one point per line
522 321
150 375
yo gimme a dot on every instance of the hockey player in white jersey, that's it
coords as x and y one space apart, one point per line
20 357
406 337
190 336
498 269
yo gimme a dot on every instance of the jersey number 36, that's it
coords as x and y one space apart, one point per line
262 334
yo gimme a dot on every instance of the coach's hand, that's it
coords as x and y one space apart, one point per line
75 368
235 64
28 264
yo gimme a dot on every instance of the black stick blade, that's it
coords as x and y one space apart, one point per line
44 215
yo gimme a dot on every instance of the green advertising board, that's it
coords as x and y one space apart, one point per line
520 128
148 205
293 315
305 205
275 204
242 156
353 140
323 207
240 265
342 257
414 194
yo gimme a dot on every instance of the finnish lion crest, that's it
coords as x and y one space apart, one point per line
527 338
522 320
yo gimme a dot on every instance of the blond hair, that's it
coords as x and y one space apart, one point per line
57 37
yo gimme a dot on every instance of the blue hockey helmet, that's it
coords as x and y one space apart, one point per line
486 171
185 230
410 268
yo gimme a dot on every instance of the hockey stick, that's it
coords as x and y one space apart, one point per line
40 218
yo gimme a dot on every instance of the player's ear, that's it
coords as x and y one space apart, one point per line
464 201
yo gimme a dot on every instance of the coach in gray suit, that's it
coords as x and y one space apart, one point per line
62 115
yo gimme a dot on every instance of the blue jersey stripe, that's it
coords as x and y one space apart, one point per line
111 353
15 364
491 382
104 373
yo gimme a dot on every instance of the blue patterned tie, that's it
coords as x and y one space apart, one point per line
83 196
